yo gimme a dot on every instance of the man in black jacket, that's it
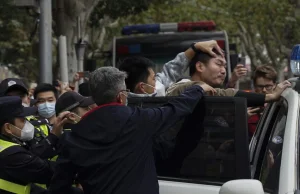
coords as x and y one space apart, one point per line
110 149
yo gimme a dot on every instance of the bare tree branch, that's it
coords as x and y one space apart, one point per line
99 39
247 40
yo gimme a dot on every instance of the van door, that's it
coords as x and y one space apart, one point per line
204 150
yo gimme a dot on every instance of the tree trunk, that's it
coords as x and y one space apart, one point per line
73 10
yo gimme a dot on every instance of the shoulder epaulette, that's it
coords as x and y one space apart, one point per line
39 122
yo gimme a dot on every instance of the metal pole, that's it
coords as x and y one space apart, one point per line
80 50
60 18
79 28
63 60
45 41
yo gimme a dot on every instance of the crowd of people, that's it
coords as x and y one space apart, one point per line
55 139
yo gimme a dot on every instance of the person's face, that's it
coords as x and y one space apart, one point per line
15 128
149 86
78 113
264 86
25 98
82 110
93 106
214 72
44 97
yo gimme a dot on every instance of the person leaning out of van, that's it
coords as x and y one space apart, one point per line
212 71
143 81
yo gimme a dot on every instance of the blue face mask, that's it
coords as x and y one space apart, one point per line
46 109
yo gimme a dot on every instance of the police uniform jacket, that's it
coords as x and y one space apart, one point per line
20 166
44 144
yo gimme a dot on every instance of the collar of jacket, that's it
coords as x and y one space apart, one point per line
12 139
133 95
101 106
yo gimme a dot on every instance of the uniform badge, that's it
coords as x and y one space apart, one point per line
10 83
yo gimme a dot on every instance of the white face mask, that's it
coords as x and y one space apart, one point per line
151 87
27 132
46 109
134 95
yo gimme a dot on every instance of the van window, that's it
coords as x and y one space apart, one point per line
270 170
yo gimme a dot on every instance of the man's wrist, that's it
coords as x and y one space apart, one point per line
234 77
193 47
189 53
232 81
270 97
56 131
231 84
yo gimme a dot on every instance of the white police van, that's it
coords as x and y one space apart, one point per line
212 153
162 42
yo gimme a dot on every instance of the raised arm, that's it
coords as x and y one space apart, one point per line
174 70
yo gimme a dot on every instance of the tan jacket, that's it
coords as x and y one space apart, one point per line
178 88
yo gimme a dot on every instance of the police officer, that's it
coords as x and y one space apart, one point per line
15 87
44 144
19 167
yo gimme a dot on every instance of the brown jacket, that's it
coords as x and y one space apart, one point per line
178 88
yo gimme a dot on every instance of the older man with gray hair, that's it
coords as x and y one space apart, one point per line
110 149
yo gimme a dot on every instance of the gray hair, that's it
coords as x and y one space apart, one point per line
105 84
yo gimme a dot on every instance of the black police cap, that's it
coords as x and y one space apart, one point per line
10 84
11 107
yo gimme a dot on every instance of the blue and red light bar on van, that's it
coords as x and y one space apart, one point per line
169 27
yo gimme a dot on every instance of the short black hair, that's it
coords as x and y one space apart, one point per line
44 87
265 71
137 69
200 56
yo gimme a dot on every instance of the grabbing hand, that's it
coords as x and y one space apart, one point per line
207 89
278 91
61 120
208 47
252 111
